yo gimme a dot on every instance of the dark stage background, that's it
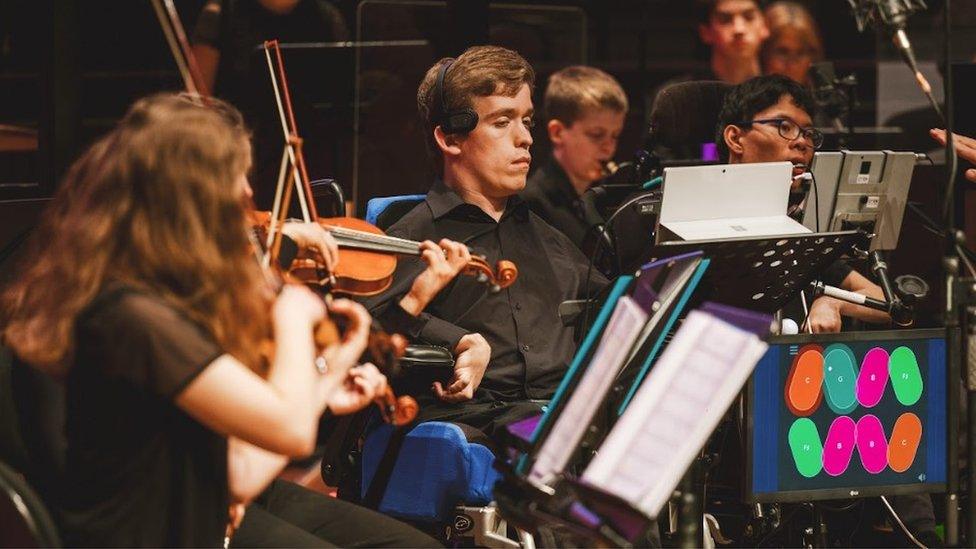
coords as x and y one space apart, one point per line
69 69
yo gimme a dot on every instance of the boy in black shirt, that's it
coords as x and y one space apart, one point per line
511 348
585 108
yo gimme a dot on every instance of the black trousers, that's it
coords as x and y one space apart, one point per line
288 515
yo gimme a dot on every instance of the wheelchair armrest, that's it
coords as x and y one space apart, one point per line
571 310
427 357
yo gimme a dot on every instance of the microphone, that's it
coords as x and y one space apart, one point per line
827 93
892 16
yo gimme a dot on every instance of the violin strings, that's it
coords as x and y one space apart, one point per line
375 241
353 238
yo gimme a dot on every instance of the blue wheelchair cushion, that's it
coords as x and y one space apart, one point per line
376 206
436 469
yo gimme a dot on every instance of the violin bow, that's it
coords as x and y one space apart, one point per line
179 46
293 172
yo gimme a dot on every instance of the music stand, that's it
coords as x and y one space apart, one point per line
764 273
661 291
632 476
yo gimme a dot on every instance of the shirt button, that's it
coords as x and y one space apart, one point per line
518 306
525 347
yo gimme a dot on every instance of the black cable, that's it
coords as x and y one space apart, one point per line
952 160
927 222
842 508
585 325
779 527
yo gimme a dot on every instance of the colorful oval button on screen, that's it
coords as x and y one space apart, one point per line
839 446
906 378
805 445
803 388
873 378
905 438
840 378
871 444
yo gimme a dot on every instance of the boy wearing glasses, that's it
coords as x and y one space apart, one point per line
767 119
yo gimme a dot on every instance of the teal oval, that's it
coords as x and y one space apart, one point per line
840 378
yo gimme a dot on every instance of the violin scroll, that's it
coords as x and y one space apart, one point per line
397 411
503 276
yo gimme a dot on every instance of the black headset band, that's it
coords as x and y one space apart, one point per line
440 95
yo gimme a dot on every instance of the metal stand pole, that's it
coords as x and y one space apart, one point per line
953 377
692 507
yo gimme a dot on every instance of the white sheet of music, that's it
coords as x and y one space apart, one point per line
625 324
674 412
676 281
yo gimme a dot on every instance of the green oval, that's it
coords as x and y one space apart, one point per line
906 378
806 447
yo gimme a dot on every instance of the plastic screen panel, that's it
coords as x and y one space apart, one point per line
845 415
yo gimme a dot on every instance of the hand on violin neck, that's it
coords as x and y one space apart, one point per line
362 385
297 308
314 242
472 356
343 355
444 260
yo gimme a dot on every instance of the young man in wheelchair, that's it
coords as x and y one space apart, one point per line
510 347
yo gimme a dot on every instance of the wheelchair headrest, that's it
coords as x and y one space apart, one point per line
684 115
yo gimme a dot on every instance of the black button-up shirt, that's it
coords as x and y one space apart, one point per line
530 348
551 195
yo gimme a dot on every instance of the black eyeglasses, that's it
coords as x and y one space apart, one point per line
790 130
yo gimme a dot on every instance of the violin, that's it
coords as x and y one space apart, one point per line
367 256
368 259
383 350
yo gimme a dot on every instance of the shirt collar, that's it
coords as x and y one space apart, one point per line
443 200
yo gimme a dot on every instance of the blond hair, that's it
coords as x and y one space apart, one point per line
480 71
576 90
790 17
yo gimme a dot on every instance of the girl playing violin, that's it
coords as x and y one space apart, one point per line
145 298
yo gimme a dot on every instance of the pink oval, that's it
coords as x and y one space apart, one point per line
872 445
839 446
873 378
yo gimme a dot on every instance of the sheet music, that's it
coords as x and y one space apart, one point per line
677 279
626 322
674 412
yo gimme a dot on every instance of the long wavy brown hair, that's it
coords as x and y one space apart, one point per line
158 204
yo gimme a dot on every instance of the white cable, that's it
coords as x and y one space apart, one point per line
806 313
901 524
